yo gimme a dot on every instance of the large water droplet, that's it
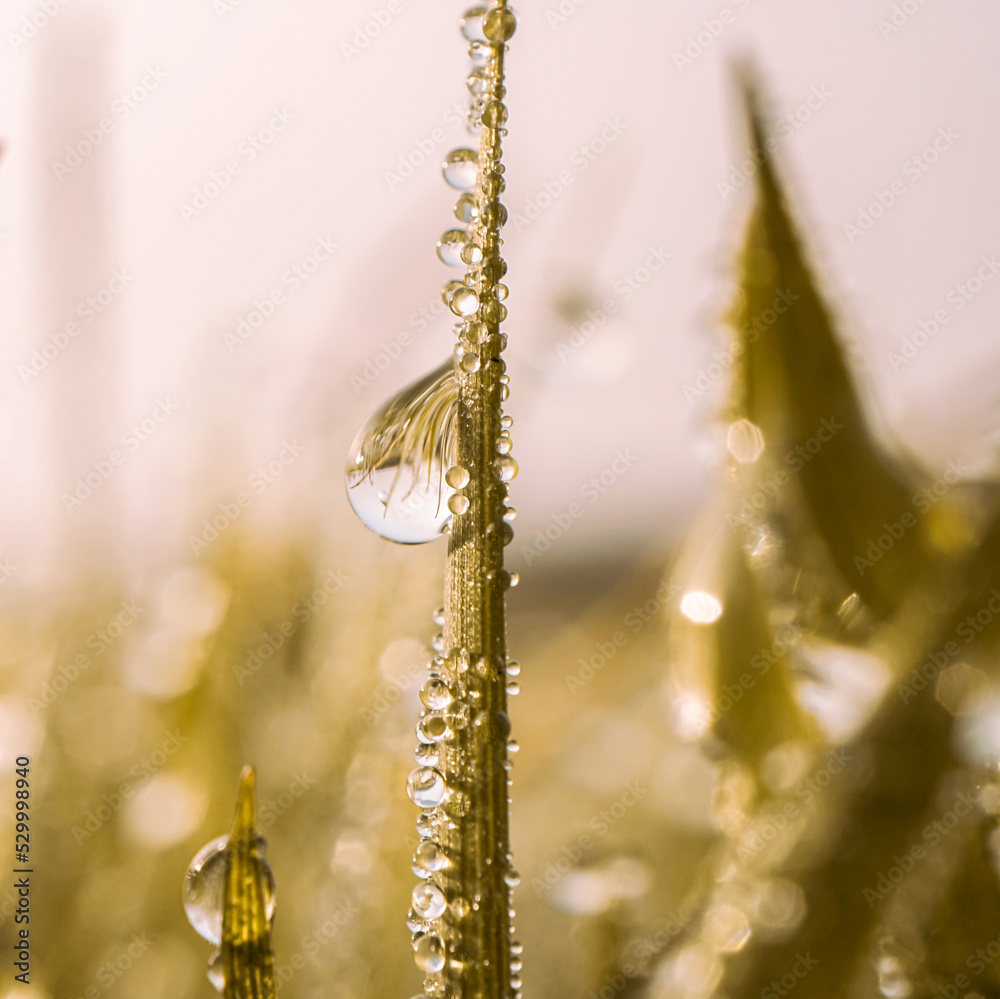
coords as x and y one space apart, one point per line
433 728
426 787
395 468
466 209
204 889
428 900
429 954
460 167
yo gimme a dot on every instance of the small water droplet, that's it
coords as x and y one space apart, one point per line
508 467
494 216
512 879
438 616
513 668
460 167
463 300
460 906
472 254
504 444
494 114
466 209
513 688
425 824
745 441
470 363
516 948
502 291
472 24
433 728
434 694
513 579
516 965
450 246
215 973
458 504
428 953
430 857
515 980
428 900
500 25
426 787
204 888
437 642
458 478
475 333
478 81
513 746
506 422
510 514
395 468
494 184
426 754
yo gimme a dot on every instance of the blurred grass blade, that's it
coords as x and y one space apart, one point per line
247 958
798 390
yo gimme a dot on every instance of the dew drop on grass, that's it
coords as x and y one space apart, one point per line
458 478
458 504
434 694
428 952
395 467
450 246
466 209
204 887
508 466
428 900
472 24
215 973
459 169
430 857
426 787
433 728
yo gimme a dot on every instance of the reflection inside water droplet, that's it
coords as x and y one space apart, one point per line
204 888
428 952
215 973
428 900
426 787
459 168
745 441
395 468
702 608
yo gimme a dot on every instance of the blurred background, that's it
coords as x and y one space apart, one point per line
217 230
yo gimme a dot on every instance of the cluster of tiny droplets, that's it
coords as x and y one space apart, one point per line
477 300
